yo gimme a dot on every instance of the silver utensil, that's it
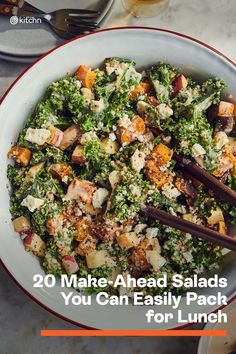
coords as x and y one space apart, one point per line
66 23
69 21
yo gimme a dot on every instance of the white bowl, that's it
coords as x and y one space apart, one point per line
146 46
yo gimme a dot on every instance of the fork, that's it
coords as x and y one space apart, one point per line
66 23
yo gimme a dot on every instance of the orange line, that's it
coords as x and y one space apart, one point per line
133 333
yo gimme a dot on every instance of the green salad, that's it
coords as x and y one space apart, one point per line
98 146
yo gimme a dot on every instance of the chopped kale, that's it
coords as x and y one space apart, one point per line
97 162
15 175
128 196
203 203
160 76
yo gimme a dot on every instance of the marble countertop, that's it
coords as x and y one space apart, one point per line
213 22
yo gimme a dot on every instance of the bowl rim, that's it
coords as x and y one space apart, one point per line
191 39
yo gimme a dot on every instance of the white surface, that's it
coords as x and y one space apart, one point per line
36 39
193 58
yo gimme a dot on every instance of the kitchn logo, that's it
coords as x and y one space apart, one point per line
14 20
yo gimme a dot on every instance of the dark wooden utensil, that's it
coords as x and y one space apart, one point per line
220 189
190 227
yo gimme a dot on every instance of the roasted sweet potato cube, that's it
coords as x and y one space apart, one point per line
128 240
159 157
60 171
225 109
152 166
70 136
20 155
125 136
138 125
54 224
86 76
227 161
86 246
140 89
139 260
222 228
155 174
85 227
159 178
136 128
162 154
78 155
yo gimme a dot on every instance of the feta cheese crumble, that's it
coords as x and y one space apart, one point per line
97 106
37 136
138 160
139 228
32 203
170 191
99 197
164 111
114 66
152 232
198 150
124 122
221 139
87 94
114 178
87 137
